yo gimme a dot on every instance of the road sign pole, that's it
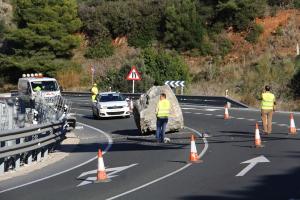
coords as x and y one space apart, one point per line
92 78
181 90
132 86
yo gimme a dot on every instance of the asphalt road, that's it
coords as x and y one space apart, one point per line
161 171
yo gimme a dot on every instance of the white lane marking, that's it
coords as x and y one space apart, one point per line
208 114
252 120
187 112
168 175
211 109
205 109
240 118
219 115
282 124
198 113
110 142
252 162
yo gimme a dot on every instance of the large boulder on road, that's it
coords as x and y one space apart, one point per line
144 110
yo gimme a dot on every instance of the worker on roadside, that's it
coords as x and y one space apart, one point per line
268 104
94 92
162 114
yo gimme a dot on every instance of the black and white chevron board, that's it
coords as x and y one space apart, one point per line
175 84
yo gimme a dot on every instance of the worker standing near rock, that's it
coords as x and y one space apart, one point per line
267 108
162 114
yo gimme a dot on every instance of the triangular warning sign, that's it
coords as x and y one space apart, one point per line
134 75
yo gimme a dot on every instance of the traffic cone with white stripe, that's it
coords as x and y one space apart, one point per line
194 157
292 128
131 105
101 172
226 113
257 137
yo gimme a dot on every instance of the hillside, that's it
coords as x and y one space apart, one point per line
212 45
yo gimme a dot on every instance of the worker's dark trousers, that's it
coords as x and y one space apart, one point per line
161 125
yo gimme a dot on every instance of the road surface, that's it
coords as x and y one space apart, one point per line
142 169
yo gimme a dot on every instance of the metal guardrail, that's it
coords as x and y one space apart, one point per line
218 101
28 133
22 146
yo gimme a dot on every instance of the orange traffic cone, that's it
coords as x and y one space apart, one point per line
226 113
293 129
194 158
101 173
257 137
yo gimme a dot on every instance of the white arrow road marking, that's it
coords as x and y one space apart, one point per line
110 173
211 109
252 162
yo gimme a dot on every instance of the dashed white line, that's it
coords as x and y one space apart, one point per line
198 113
282 125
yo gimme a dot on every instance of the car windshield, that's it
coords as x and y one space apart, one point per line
44 86
111 97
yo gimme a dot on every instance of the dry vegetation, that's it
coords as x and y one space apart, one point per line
278 42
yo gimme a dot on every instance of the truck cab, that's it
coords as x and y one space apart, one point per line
32 85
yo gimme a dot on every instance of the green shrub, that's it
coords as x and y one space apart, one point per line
225 46
142 40
102 49
183 26
254 33
163 66
297 3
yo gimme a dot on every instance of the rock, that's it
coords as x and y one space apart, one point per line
144 110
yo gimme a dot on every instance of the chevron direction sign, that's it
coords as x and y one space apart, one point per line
175 84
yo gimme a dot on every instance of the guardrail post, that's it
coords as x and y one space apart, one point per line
29 158
46 152
1 165
39 155
17 162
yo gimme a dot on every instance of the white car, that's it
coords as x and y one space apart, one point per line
110 104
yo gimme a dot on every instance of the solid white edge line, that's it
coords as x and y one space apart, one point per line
110 142
167 175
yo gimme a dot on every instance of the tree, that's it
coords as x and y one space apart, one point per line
44 36
239 13
183 27
163 66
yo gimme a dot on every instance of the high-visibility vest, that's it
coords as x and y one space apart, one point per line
163 107
37 89
268 100
94 93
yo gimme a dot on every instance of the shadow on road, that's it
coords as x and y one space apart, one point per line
280 186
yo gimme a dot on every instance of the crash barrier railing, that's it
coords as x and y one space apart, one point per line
218 101
30 128
23 146
7 115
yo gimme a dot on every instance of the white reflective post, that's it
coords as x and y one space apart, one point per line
132 86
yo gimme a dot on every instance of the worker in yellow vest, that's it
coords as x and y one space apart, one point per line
94 92
268 104
162 113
